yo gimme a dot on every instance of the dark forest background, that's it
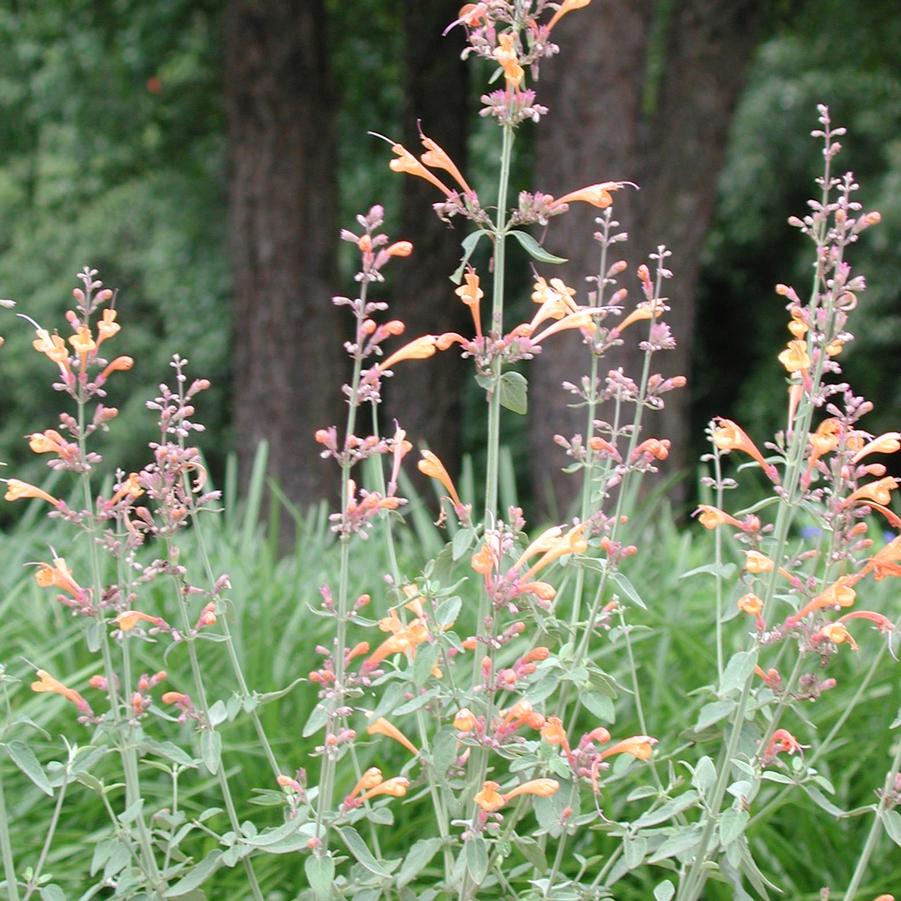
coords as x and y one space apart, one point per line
203 155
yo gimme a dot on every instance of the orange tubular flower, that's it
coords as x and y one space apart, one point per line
394 788
757 563
381 726
482 561
885 561
471 294
889 443
795 357
879 492
46 682
555 301
506 57
712 517
541 788
567 6
837 633
782 741
597 195
83 344
417 349
120 364
107 327
369 780
728 437
16 490
644 311
750 604
50 442
432 467
839 594
52 346
57 576
554 733
640 747
437 158
129 619
573 542
582 319
408 163
489 798
465 720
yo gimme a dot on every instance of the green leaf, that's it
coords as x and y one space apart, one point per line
534 249
218 713
315 721
417 858
738 670
667 811
268 696
704 776
713 713
169 751
823 802
52 892
732 825
197 876
628 589
724 571
426 658
449 610
23 757
361 852
599 705
476 852
514 391
462 543
444 751
469 245
132 812
679 842
531 850
211 750
664 891
634 850
891 819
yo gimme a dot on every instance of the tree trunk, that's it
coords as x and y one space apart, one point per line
288 359
674 151
435 95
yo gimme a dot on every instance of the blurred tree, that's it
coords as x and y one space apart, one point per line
288 366
435 94
667 131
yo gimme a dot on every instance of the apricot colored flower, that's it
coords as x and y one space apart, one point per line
83 344
541 788
782 741
465 720
750 604
728 437
16 490
50 442
177 699
837 633
369 780
482 561
640 747
107 327
882 622
418 349
795 357
394 788
581 320
46 682
885 562
120 364
597 195
489 798
408 163
505 54
403 641
554 733
57 576
471 294
712 517
437 158
555 301
839 594
381 726
644 311
757 563
129 619
399 249
52 346
430 465
889 443
880 492
539 545
573 542
567 6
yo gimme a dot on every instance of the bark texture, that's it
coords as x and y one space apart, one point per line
283 197
426 398
602 128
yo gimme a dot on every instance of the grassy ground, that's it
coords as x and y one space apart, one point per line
801 846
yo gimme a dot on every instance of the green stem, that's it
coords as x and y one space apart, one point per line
9 866
876 828
48 841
